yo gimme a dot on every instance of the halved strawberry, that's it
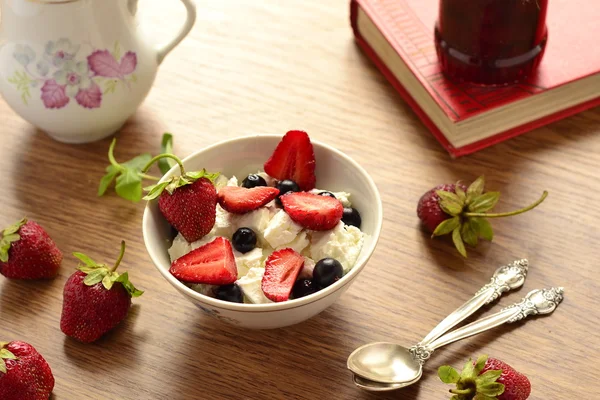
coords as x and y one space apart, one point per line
294 158
318 213
281 271
240 200
212 264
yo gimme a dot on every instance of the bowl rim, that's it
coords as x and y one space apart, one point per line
268 307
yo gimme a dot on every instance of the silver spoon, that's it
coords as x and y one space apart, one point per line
505 278
388 366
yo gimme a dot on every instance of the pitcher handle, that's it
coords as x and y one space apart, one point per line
162 51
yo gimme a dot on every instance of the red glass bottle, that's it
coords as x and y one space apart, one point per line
491 42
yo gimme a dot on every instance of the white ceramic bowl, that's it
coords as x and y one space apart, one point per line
335 171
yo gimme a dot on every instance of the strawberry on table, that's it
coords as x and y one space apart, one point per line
28 252
240 200
486 379
463 212
293 159
212 264
281 271
96 298
311 211
24 373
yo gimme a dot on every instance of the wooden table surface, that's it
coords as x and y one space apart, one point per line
270 66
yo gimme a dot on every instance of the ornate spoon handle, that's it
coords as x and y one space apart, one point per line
507 277
539 301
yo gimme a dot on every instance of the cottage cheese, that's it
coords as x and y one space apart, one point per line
281 230
251 286
179 248
257 220
343 243
246 261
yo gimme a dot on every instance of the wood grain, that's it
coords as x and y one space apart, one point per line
270 66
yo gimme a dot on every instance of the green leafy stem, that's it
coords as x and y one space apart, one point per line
23 82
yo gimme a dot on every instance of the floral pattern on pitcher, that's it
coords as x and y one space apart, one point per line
62 74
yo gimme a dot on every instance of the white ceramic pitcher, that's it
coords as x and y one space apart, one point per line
78 69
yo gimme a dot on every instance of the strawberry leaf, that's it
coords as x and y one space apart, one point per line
460 193
446 226
85 259
448 374
484 202
491 389
468 233
129 185
480 364
95 276
166 147
107 282
484 228
10 236
448 196
14 228
203 174
5 354
178 181
458 242
488 377
155 190
468 371
107 180
124 280
476 188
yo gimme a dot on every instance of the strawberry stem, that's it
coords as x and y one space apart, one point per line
121 255
461 391
111 156
114 162
160 157
508 214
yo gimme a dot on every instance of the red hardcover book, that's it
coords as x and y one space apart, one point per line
398 36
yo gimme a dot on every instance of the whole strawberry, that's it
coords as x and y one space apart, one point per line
24 374
188 202
463 212
27 252
96 298
487 379
429 211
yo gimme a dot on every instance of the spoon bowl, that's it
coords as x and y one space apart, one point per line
385 362
372 386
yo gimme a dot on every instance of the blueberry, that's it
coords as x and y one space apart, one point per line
286 186
253 180
327 272
231 293
328 194
244 240
302 288
351 216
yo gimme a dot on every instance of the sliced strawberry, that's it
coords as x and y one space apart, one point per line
294 158
281 271
211 264
318 213
240 200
